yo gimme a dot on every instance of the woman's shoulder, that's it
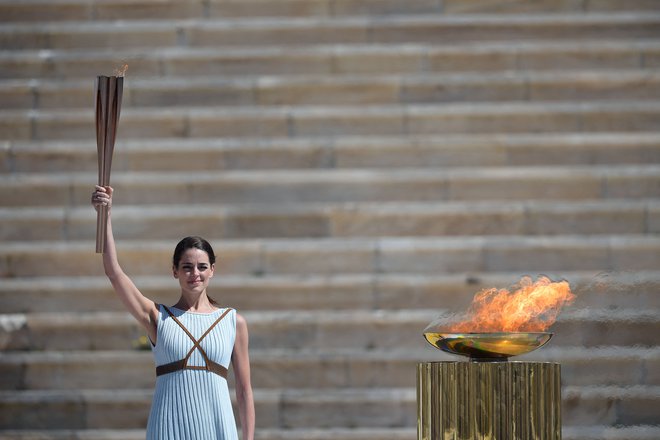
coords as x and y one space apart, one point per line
241 322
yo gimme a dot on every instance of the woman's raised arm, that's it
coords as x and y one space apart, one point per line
142 308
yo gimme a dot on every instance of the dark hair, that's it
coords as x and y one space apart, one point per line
193 242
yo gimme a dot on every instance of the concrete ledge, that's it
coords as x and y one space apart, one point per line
344 90
335 59
296 187
83 10
309 330
344 152
340 121
614 290
644 432
640 432
305 31
338 368
352 256
72 434
337 220
308 408
129 409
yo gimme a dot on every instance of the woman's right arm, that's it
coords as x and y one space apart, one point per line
142 308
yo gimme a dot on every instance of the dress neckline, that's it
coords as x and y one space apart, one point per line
196 313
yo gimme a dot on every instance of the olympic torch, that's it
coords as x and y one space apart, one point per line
107 100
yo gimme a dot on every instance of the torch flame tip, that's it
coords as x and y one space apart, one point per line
121 72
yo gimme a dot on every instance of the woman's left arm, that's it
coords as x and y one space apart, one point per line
241 365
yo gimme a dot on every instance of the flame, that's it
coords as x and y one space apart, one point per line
531 306
121 71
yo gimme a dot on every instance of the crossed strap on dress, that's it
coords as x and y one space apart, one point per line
183 363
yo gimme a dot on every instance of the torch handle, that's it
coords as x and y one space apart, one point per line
101 227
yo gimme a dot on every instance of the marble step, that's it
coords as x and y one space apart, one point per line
88 10
428 28
333 59
600 290
423 255
261 434
339 121
295 409
344 90
284 409
318 331
297 187
523 6
438 152
283 369
639 432
340 220
645 432
633 432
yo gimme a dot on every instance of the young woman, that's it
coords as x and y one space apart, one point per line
193 343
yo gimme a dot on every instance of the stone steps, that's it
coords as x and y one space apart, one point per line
437 152
331 369
316 331
613 290
424 255
296 409
380 161
296 187
341 220
428 28
333 59
335 121
344 90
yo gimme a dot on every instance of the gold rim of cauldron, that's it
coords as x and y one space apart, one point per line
487 346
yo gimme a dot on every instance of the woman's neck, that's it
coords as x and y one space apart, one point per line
200 304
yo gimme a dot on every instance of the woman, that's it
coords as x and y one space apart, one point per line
193 343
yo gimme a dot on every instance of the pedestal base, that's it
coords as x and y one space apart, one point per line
489 401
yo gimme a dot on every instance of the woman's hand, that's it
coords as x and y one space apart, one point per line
102 196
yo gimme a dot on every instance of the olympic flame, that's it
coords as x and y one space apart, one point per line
121 71
529 306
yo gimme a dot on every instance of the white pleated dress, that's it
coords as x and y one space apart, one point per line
193 404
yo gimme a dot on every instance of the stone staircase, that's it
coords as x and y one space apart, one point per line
362 168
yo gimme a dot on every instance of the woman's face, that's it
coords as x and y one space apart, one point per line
194 271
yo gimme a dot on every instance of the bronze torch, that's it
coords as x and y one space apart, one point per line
108 95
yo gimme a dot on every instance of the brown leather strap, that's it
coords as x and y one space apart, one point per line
179 365
170 368
183 363
192 338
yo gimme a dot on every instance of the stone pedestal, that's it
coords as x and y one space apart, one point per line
488 401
